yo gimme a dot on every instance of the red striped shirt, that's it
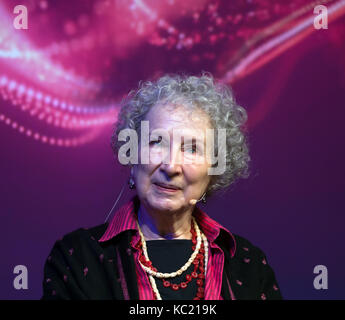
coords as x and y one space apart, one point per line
125 219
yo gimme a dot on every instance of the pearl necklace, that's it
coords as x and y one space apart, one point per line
152 273
206 251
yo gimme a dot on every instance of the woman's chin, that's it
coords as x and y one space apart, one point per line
166 205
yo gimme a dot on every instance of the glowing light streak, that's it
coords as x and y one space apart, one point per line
258 56
51 140
33 102
144 8
33 62
49 92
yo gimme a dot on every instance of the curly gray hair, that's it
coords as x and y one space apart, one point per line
215 98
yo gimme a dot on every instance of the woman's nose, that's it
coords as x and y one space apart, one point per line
172 163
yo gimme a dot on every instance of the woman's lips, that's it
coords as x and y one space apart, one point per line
166 188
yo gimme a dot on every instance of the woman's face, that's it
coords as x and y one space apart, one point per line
177 171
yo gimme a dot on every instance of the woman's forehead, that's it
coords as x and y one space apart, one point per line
178 116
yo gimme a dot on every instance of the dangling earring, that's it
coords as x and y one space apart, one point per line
131 183
203 198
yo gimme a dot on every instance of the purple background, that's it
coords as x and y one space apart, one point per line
292 205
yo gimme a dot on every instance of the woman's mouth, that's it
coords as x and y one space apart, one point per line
166 187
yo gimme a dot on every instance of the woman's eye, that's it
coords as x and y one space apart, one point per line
191 149
156 142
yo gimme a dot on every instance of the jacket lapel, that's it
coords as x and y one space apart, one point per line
127 266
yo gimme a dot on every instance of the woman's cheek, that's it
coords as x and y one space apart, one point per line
156 158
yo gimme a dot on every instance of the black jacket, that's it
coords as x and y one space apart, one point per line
80 268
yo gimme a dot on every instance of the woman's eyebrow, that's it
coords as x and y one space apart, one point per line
196 140
199 142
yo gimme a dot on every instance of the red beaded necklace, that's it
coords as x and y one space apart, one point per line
198 263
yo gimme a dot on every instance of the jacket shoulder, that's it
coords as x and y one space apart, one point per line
251 269
245 247
78 236
79 267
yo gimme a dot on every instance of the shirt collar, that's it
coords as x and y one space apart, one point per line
212 229
126 219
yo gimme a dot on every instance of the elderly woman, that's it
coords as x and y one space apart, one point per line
161 245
